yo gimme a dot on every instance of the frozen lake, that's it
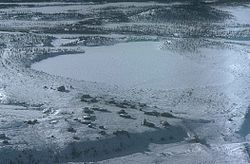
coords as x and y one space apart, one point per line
134 65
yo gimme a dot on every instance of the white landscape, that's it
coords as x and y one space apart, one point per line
134 65
124 82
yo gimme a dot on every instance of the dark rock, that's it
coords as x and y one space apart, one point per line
122 104
102 127
122 112
86 122
88 111
125 116
3 136
32 122
126 103
148 124
90 118
142 105
86 97
91 125
165 114
111 102
102 133
72 130
5 142
165 124
152 113
62 89
76 138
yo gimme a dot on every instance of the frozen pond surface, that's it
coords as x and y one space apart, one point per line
134 65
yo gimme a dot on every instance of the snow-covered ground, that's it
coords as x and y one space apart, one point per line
135 65
201 115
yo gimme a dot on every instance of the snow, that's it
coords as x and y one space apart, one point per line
134 65
2 96
207 113
239 14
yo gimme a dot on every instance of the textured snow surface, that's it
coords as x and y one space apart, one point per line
151 82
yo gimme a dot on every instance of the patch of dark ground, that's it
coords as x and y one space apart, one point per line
123 143
245 128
